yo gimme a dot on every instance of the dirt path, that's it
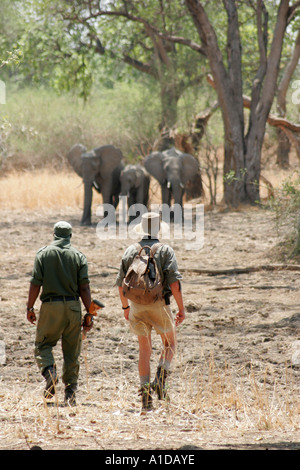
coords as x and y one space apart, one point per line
233 384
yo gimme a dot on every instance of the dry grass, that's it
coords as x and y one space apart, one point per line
218 399
40 189
210 402
45 189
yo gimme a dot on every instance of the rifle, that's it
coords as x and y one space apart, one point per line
89 317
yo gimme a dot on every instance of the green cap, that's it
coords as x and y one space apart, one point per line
62 229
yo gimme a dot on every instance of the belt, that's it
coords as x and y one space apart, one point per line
61 298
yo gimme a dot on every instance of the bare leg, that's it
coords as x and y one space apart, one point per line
163 369
145 350
169 348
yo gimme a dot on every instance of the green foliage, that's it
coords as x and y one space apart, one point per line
10 29
38 126
286 206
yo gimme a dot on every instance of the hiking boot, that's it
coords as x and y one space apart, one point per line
51 381
145 393
159 384
70 397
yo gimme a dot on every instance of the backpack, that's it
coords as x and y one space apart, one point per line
142 283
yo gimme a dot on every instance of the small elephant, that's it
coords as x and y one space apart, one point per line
99 168
135 183
175 171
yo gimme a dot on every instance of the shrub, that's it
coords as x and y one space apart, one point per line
286 205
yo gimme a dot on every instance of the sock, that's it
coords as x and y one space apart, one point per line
165 364
144 379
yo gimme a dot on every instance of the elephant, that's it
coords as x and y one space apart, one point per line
99 168
135 183
176 172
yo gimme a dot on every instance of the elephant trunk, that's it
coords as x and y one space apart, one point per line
88 196
177 189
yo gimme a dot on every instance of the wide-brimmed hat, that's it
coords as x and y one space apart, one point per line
62 229
151 225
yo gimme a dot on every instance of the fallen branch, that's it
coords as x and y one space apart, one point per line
243 286
246 270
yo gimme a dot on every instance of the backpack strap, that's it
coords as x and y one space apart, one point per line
155 247
152 248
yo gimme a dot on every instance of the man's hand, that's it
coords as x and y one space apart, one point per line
176 291
179 317
88 322
33 293
126 313
31 317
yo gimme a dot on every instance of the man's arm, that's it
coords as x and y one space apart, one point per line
124 302
85 295
34 291
176 291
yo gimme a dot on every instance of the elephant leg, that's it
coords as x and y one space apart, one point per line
87 210
178 192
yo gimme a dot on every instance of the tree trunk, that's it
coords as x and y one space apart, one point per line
234 166
242 152
283 149
169 99
284 144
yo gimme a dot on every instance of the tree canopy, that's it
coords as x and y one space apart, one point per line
245 45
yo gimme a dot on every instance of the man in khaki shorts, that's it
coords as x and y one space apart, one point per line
143 318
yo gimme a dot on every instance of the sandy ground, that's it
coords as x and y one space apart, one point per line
233 384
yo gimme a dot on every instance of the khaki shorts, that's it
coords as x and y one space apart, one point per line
143 318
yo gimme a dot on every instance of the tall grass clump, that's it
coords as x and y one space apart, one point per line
41 189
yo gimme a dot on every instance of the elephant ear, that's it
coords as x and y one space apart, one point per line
190 167
74 158
90 165
154 165
110 157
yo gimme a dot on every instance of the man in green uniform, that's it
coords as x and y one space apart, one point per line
157 316
62 272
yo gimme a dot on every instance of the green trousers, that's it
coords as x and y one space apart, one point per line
59 320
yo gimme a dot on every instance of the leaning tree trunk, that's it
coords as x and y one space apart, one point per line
284 144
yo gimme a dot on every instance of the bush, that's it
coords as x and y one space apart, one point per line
286 204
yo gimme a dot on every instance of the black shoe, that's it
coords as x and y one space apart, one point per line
70 396
145 393
51 381
159 384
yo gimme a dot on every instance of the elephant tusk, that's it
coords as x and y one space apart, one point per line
168 185
181 185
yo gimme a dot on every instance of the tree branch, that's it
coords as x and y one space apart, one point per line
292 11
273 120
290 68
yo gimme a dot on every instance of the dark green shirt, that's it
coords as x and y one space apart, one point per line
165 259
60 269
